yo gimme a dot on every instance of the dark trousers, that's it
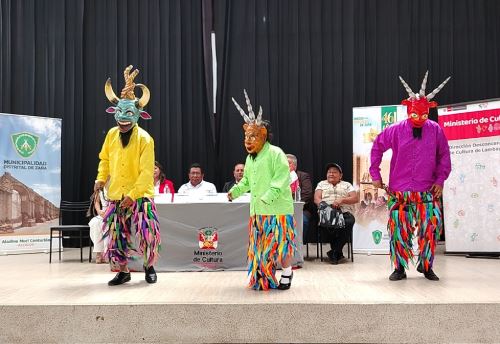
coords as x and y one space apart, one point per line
338 237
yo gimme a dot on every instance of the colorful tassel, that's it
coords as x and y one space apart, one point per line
117 225
410 211
271 240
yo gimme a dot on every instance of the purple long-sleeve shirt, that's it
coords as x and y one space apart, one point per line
416 164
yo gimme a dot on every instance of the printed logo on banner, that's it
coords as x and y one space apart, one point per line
473 237
208 238
25 144
388 115
377 236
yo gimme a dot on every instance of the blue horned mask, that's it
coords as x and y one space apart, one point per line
127 108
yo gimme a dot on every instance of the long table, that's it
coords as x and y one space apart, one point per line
208 236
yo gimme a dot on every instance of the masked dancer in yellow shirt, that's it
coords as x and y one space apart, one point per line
127 156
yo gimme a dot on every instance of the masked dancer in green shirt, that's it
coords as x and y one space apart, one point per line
271 228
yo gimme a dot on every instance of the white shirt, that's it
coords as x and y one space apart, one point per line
201 189
331 193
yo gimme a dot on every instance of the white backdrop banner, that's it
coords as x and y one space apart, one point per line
370 231
30 181
471 197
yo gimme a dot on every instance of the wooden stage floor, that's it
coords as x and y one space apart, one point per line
40 294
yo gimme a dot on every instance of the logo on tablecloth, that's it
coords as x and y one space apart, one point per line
208 238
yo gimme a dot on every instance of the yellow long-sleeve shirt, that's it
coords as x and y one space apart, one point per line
130 168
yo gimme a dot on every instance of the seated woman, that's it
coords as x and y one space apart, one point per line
341 195
162 184
100 204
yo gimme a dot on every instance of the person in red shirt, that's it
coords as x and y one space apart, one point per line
162 184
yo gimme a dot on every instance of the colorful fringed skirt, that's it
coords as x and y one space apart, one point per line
118 225
271 240
410 212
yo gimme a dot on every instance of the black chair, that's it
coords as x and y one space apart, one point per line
312 235
75 209
350 251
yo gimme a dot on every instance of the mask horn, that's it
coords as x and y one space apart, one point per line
424 85
144 100
433 93
243 114
251 115
110 94
259 116
407 88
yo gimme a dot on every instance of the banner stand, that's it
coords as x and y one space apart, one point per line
471 195
30 182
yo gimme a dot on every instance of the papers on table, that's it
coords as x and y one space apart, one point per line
200 198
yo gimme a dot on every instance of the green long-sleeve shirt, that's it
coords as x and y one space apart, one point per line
267 177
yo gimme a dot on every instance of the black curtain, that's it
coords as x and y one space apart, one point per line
56 56
309 62
164 40
41 74
306 62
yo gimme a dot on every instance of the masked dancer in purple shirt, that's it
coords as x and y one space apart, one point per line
419 166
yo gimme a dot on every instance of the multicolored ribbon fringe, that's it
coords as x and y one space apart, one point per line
410 211
271 240
118 223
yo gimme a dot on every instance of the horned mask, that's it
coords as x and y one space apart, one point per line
127 108
418 104
255 130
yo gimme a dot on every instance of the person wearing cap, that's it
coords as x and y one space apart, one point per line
420 164
341 195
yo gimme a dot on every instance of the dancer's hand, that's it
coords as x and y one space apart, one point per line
98 185
229 197
127 202
378 184
437 190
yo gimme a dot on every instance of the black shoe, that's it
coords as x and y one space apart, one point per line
120 278
257 285
334 261
151 275
430 275
398 275
341 259
285 286
329 254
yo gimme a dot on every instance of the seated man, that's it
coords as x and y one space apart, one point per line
238 174
341 195
196 184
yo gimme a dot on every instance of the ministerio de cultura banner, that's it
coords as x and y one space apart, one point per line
471 197
30 181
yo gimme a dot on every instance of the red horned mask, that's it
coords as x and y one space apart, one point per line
418 105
